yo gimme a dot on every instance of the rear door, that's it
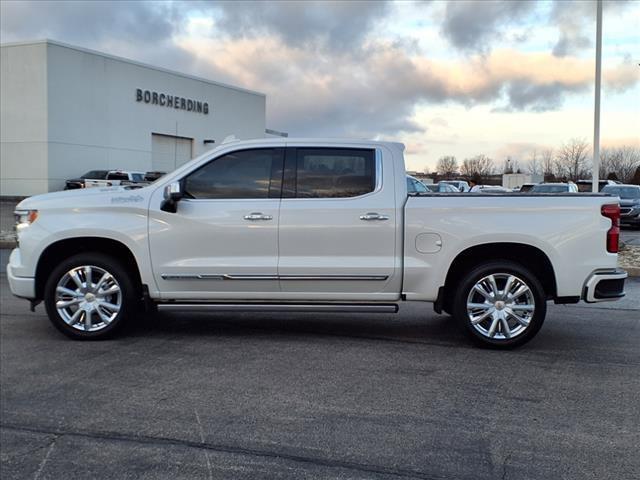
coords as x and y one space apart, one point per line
337 236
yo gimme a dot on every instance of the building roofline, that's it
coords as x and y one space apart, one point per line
47 41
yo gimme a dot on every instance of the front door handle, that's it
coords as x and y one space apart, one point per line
373 216
257 216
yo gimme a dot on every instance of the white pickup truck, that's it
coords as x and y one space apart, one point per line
115 178
311 225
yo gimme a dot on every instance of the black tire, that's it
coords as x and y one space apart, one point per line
128 296
501 269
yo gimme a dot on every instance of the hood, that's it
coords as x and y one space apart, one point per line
628 202
86 197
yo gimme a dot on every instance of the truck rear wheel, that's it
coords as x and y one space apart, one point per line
500 304
89 296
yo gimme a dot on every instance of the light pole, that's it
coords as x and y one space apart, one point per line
596 115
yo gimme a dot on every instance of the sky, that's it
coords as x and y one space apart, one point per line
462 78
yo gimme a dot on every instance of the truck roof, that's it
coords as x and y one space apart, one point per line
309 140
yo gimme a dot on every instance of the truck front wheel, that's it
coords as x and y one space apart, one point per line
500 304
89 296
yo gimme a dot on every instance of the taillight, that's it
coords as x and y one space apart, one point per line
612 211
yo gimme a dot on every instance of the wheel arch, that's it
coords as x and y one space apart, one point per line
526 255
60 250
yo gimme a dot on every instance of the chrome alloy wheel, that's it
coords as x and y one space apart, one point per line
500 306
88 298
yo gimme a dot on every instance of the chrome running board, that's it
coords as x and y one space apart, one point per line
281 307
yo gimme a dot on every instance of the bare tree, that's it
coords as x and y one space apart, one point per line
620 163
571 161
548 164
447 166
478 166
534 166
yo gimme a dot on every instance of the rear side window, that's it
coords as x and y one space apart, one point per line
117 176
95 175
334 173
241 174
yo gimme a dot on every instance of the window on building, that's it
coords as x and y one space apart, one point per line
243 174
334 173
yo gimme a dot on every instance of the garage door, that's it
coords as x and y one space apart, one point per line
169 152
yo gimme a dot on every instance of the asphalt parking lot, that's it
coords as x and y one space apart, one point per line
313 396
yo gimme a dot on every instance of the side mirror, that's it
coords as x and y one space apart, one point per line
172 195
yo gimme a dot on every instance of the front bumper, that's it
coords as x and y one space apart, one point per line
604 286
24 287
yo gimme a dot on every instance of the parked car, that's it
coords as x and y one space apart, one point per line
629 202
153 176
415 186
554 188
298 225
460 185
116 177
442 187
492 189
587 185
79 182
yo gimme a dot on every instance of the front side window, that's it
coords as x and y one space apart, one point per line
334 173
242 174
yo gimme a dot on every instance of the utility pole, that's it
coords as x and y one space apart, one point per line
596 116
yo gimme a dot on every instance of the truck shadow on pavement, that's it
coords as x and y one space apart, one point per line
441 330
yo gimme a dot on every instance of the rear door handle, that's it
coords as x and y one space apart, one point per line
373 216
255 216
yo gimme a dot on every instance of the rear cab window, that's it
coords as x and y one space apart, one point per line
330 172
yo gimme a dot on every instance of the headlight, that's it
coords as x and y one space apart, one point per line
25 217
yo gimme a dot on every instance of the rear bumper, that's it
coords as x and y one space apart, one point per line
604 286
24 287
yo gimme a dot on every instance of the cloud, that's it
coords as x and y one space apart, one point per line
576 23
328 68
354 95
88 22
334 25
472 25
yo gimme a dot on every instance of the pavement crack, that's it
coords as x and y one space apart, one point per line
206 453
46 458
504 466
220 448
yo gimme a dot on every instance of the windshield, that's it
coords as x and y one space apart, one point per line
622 192
415 186
550 189
137 177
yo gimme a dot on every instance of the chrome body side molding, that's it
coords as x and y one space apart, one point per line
201 276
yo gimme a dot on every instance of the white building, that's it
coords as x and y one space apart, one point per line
66 110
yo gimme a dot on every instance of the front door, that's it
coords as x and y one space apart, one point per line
223 240
338 225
